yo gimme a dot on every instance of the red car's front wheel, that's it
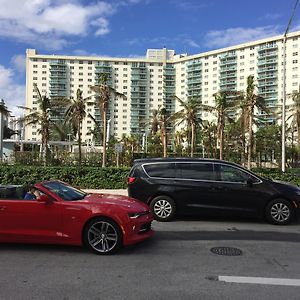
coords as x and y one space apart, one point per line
102 236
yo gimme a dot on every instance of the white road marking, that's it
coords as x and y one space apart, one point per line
260 280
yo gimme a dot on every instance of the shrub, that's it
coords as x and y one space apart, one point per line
84 177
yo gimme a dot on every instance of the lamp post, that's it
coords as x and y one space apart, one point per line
283 135
1 129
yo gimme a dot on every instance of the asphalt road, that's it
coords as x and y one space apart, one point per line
177 263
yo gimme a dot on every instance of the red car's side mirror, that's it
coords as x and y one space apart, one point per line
43 198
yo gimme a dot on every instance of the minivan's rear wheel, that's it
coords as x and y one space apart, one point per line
279 212
102 236
163 208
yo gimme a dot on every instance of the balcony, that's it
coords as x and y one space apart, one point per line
228 55
262 62
268 69
226 69
267 47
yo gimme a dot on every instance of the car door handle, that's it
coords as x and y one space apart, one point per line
217 188
2 208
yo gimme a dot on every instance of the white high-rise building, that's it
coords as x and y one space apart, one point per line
152 81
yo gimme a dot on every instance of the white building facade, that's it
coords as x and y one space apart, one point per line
152 81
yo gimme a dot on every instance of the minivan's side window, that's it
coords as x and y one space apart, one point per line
162 170
232 174
196 171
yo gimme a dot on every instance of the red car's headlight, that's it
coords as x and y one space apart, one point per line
138 214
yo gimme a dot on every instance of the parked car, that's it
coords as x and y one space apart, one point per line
63 214
186 186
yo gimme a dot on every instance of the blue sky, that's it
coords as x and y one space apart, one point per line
126 28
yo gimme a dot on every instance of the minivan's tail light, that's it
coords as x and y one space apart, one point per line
131 180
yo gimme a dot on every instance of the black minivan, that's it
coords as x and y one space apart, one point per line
189 186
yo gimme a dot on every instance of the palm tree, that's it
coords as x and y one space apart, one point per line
97 131
3 108
252 101
209 139
154 124
164 120
74 114
103 93
223 106
40 117
189 115
293 111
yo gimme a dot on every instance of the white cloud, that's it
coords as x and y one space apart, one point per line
192 43
19 62
188 5
12 93
234 36
102 25
49 23
271 16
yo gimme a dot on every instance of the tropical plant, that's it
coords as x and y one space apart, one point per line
293 112
74 115
223 106
252 101
42 118
3 108
268 143
164 120
209 138
189 115
154 123
103 93
96 131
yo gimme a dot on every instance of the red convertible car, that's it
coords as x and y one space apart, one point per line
63 214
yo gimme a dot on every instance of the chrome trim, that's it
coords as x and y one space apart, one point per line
200 180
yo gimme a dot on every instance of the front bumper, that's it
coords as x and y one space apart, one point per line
137 230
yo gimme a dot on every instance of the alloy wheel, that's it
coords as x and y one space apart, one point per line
280 212
162 208
102 237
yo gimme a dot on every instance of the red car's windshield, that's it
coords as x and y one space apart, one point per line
64 191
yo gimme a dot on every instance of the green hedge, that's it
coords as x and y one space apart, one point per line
291 176
102 178
85 177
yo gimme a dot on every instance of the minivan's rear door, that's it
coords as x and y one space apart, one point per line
194 187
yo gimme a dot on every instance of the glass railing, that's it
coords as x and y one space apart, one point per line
267 46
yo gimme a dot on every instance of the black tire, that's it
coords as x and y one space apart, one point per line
102 236
163 208
279 212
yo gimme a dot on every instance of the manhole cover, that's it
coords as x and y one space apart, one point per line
229 251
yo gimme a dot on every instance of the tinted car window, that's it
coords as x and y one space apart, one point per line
197 171
162 170
231 174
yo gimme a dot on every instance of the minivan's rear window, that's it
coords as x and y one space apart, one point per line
162 170
196 171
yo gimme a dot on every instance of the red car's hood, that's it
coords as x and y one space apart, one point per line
118 200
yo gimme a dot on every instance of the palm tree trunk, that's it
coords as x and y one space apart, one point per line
104 140
192 140
250 141
79 143
164 138
298 138
44 149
